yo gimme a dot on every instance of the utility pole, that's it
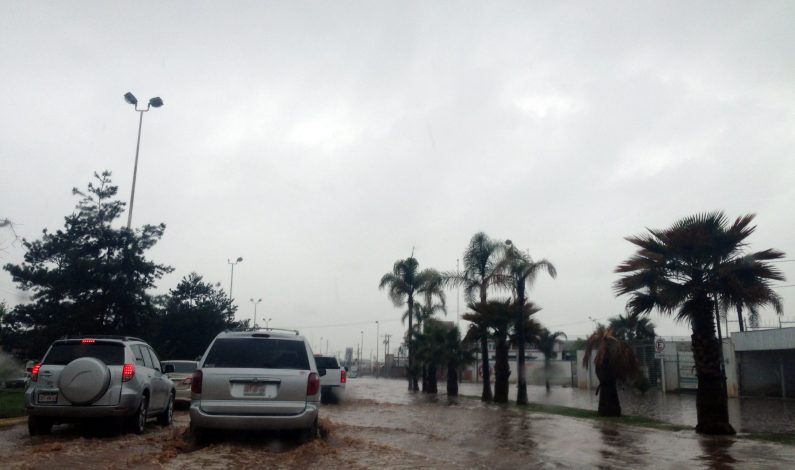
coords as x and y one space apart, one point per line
377 335
457 298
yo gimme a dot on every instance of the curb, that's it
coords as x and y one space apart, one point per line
8 422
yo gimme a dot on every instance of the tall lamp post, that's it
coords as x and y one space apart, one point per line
155 102
361 352
267 322
255 310
232 276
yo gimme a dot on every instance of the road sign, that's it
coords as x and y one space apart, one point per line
659 344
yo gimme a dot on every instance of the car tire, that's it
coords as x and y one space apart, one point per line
39 425
137 421
167 416
198 435
310 433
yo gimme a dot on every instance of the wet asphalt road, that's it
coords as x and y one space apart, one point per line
380 425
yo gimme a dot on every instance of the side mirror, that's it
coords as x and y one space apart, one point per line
168 369
321 371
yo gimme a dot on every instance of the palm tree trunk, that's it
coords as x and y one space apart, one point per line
484 351
412 373
501 372
521 381
452 379
431 386
424 377
739 319
546 370
609 404
712 406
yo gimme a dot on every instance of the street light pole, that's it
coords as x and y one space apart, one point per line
255 311
154 102
232 276
361 352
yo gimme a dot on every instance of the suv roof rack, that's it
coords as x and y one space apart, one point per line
118 337
242 330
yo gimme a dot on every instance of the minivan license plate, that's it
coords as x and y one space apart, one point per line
254 390
48 397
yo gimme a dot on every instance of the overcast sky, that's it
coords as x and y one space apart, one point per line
321 141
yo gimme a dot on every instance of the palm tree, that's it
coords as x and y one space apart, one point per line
478 332
431 350
481 271
614 362
404 283
546 342
522 271
457 354
497 316
632 329
688 270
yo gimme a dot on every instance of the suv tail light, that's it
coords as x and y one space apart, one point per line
34 374
127 372
196 383
313 385
343 378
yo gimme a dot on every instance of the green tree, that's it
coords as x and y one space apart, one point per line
614 362
632 329
195 312
546 341
404 283
89 277
688 270
482 270
496 316
522 271
457 354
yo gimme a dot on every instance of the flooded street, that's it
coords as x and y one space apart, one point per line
380 425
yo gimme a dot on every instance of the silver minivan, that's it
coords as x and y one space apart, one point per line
97 377
256 379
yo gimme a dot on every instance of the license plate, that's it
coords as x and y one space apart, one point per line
48 397
259 390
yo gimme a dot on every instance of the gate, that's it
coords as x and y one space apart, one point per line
686 371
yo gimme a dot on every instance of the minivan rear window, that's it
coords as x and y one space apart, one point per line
111 354
327 362
256 353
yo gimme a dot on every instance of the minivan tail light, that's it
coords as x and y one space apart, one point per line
88 341
34 374
343 378
196 383
127 372
313 385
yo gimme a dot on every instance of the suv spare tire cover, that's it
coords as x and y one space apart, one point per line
84 380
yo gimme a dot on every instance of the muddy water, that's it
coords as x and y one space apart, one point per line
380 425
746 414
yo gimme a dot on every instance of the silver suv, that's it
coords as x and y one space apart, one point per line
256 379
95 377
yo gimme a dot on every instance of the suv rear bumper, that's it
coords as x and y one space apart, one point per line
127 406
303 420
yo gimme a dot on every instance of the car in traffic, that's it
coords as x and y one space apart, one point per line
181 373
332 383
256 379
89 377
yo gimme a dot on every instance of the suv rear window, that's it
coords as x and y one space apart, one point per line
256 353
111 354
327 362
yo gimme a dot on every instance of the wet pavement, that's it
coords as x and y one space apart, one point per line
381 425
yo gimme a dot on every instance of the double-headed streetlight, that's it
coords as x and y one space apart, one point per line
255 310
155 102
232 276
267 322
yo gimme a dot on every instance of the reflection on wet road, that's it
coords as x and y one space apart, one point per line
381 425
